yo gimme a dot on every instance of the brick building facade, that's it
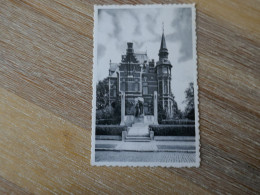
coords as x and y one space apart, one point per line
138 77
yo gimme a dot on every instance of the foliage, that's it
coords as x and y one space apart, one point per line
102 94
189 95
117 110
106 122
162 114
105 113
178 122
110 129
129 107
177 114
109 115
173 130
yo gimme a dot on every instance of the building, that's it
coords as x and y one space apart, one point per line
138 77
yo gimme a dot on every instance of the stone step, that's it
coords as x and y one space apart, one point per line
137 139
139 125
139 119
137 135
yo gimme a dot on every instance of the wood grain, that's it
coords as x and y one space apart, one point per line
7 187
46 154
45 102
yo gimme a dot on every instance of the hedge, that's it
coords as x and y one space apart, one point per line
110 129
173 130
107 122
178 122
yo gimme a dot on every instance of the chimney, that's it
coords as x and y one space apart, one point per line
130 45
129 49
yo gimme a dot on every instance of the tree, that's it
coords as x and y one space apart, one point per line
107 114
102 94
177 114
189 95
162 114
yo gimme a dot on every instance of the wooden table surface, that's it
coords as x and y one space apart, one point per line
46 93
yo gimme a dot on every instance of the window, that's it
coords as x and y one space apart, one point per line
165 87
132 86
165 105
122 86
136 87
164 70
114 92
160 87
145 90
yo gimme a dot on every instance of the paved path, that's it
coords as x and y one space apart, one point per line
152 146
126 156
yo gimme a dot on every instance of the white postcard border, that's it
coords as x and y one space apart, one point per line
196 99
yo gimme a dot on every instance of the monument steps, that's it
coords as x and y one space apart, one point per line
138 135
137 139
139 119
138 132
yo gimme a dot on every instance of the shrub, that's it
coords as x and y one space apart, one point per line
107 122
110 129
161 113
109 115
178 122
106 113
173 130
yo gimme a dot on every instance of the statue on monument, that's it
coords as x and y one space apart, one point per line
138 108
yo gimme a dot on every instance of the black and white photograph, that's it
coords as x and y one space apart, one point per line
145 94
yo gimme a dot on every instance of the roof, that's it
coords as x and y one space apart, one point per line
141 57
112 69
163 43
113 66
114 75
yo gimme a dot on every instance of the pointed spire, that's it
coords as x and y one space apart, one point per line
163 42
163 52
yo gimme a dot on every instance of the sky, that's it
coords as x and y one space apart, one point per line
144 28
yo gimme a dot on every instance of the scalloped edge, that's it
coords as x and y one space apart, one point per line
196 88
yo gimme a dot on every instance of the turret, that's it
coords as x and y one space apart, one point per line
163 52
163 69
